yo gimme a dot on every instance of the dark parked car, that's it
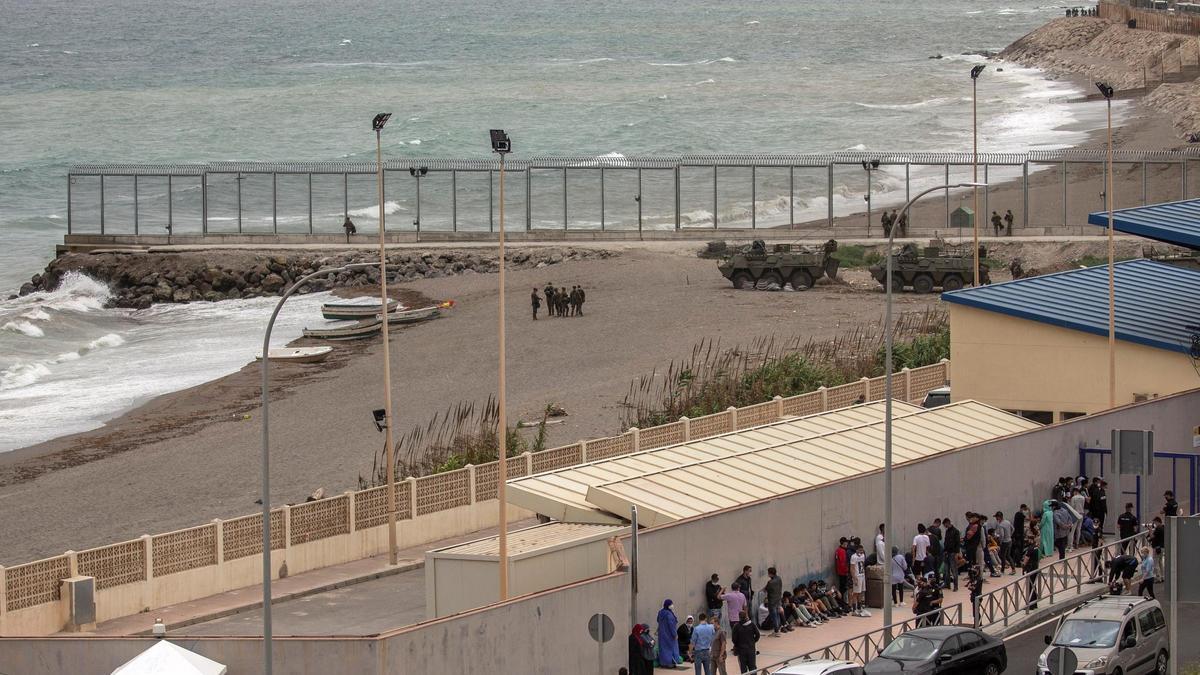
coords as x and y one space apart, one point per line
944 650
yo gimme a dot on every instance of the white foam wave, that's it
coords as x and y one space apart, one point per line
753 23
22 375
110 340
372 211
704 62
940 100
36 314
702 82
24 328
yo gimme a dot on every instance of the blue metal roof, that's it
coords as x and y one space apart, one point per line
1172 222
1155 302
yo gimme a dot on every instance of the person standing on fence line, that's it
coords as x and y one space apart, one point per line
1078 502
1170 506
1018 536
700 647
1146 588
902 224
720 646
746 585
997 224
1064 525
920 550
774 598
348 226
712 596
1008 221
886 221
899 575
1030 561
1098 502
951 547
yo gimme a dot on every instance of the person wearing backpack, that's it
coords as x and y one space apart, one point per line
641 650
745 638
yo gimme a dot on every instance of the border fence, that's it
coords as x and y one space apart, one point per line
225 554
597 194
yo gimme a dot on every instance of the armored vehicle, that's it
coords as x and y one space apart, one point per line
948 267
755 266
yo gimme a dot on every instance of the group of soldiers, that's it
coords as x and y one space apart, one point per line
559 301
1083 11
891 220
999 225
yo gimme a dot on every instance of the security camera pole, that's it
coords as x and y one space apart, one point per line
377 124
1107 91
975 72
501 145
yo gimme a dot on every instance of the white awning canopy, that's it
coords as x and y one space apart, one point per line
165 658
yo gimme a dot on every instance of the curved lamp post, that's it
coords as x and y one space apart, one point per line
266 462
887 395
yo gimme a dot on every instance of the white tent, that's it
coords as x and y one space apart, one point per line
165 658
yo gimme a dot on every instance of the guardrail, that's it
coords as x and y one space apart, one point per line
864 647
1022 595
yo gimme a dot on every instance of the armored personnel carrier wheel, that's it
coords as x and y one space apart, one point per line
952 282
801 280
743 281
923 283
769 278
897 283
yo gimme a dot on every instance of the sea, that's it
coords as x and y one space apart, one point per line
136 81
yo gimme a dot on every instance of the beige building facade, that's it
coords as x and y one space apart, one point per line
1050 373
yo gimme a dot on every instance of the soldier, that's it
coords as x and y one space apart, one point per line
549 300
348 226
1008 221
563 300
886 221
903 224
582 298
573 300
535 301
1015 268
997 225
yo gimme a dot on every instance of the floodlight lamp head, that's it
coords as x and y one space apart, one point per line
380 120
1106 90
977 71
500 142
380 419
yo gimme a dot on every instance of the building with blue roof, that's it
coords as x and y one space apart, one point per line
1040 345
1175 223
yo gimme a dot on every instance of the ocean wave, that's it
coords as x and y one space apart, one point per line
372 211
24 374
708 81
24 328
76 292
704 62
905 106
36 314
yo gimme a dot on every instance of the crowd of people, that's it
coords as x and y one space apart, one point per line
559 301
940 556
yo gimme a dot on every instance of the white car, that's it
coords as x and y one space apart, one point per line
1113 634
821 667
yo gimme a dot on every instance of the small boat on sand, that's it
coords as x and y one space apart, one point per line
360 329
298 354
341 311
412 315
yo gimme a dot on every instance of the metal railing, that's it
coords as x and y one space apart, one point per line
563 193
1020 597
866 646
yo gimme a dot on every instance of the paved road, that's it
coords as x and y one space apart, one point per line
1024 649
360 609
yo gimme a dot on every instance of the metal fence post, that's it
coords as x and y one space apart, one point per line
1025 192
829 195
753 197
714 196
677 215
985 189
239 201
791 196
275 203
204 202
170 205
491 201
1183 174
947 197
101 203
1143 182
310 215
345 195
70 210
528 198
454 201
135 204
601 199
565 199
1065 218
639 201
908 181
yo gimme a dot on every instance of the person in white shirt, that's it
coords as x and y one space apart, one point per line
920 549
880 548
858 574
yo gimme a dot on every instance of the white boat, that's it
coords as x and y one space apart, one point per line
413 315
354 331
364 309
298 354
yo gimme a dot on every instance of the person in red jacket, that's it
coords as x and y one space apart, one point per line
841 565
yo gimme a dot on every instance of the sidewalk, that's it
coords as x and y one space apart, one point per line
307 585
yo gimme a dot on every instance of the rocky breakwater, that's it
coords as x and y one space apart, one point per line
140 279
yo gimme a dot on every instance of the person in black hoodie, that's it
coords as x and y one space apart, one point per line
640 643
712 596
745 639
1017 550
951 547
746 585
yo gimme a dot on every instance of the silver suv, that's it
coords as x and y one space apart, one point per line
1111 635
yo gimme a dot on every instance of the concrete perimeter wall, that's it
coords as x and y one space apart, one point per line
797 533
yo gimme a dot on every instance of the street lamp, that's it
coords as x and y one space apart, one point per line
1107 92
887 390
418 173
975 73
266 457
868 165
501 145
377 124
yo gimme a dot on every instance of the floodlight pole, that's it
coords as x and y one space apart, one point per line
975 72
502 421
266 456
1107 91
380 121
887 397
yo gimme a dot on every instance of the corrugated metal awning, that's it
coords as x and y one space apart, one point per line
1173 222
530 541
703 487
562 494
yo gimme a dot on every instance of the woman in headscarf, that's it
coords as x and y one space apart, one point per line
638 663
1047 526
685 635
668 638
